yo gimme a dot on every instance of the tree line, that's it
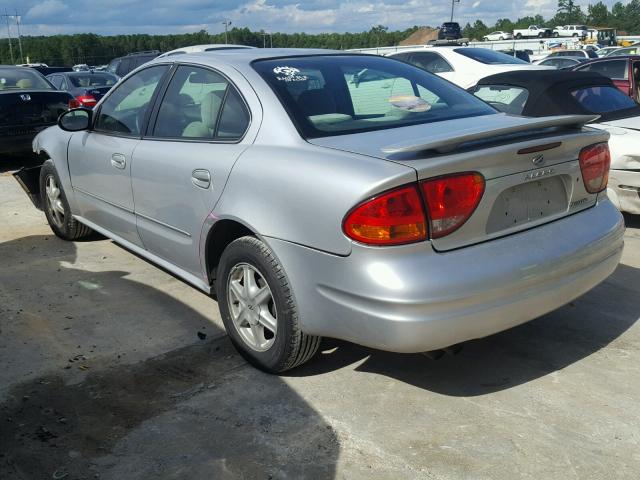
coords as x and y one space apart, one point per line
95 49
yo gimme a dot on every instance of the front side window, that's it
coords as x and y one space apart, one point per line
616 69
124 110
603 99
339 94
505 98
201 104
489 57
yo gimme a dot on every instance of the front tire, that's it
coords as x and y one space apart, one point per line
258 308
519 36
56 207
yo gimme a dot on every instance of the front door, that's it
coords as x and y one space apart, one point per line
100 159
180 169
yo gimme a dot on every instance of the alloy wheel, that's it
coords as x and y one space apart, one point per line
54 201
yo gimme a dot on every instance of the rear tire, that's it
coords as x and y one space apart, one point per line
56 207
519 36
258 308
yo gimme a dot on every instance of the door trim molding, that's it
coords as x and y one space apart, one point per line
97 197
166 225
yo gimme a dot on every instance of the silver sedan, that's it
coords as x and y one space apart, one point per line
318 193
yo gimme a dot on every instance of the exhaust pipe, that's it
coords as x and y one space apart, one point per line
438 354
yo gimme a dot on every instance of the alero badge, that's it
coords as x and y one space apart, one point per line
25 97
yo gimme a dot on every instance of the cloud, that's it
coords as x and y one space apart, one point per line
40 17
46 9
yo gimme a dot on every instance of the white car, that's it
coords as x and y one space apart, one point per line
605 51
463 66
497 36
577 31
203 48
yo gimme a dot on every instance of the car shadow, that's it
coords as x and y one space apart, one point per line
9 163
510 358
197 411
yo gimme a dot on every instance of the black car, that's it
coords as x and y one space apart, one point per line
449 31
524 55
86 87
28 104
123 65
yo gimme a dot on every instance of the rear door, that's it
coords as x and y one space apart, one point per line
181 167
100 159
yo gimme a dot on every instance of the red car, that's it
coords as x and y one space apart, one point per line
624 71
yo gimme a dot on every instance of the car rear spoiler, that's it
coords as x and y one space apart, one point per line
450 141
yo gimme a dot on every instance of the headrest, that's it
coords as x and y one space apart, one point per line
24 83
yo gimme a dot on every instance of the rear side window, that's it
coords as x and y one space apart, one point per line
340 94
616 69
430 62
505 98
201 104
489 57
603 99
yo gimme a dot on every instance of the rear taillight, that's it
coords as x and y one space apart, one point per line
393 218
86 100
73 103
595 161
451 200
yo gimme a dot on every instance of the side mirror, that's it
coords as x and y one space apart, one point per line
75 120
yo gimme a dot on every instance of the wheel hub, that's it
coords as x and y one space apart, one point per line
252 307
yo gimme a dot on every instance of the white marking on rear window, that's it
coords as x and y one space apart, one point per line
289 74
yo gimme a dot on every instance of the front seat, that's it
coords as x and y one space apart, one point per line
209 110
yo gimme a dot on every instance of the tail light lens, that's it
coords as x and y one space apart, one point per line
73 103
86 100
595 161
393 218
451 201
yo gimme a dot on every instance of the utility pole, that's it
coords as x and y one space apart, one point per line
6 17
453 3
19 36
226 24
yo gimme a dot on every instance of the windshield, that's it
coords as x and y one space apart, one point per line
603 99
341 94
93 80
489 57
23 79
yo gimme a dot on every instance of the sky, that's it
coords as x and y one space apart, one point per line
111 17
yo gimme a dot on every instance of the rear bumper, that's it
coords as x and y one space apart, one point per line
626 187
17 144
412 299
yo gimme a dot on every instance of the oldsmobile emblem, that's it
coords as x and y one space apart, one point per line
25 97
539 160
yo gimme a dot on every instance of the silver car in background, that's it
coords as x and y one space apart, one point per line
318 193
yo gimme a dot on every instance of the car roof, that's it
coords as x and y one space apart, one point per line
244 56
550 91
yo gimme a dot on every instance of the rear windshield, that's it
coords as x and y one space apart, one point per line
93 80
603 99
490 57
23 79
341 94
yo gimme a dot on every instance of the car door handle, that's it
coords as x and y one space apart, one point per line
201 178
119 161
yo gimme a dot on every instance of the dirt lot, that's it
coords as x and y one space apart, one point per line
113 369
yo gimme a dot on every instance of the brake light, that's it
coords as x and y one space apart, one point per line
73 103
393 218
86 100
595 161
451 200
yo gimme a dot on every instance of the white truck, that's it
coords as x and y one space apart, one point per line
533 32
577 31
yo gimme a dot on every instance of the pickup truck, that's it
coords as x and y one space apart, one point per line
532 32
577 31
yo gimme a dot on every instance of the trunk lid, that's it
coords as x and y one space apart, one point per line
524 187
23 111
